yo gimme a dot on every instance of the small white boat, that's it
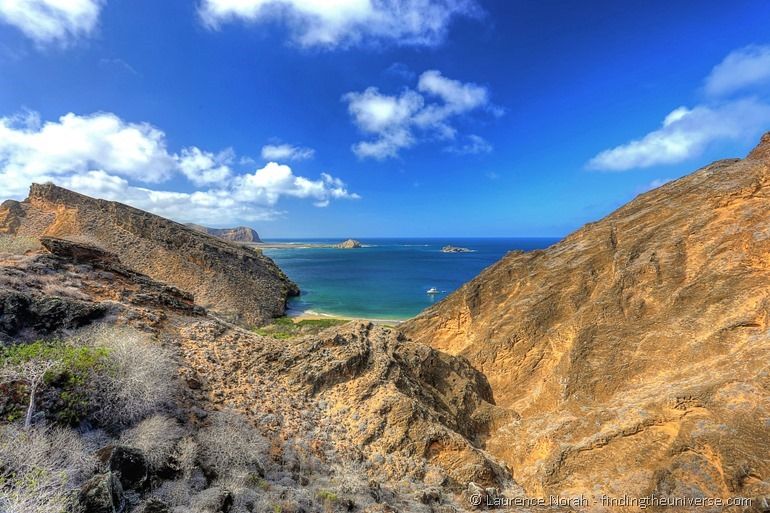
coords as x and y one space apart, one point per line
433 290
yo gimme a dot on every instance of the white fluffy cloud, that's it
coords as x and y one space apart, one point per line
686 132
395 121
342 22
744 68
286 152
104 156
52 21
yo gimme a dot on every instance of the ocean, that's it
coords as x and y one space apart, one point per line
388 278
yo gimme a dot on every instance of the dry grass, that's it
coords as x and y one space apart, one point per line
18 244
41 469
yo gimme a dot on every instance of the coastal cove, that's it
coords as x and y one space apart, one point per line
386 279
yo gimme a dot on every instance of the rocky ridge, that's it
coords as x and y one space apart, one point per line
237 234
635 351
233 281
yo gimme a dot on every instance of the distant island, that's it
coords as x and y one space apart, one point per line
455 249
237 234
349 244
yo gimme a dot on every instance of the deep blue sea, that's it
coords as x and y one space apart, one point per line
388 278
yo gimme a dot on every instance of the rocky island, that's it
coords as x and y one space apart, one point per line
455 249
349 244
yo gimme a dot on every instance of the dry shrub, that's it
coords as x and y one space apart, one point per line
139 380
41 469
18 244
232 448
61 290
156 437
186 456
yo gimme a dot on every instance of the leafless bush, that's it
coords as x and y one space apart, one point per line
139 379
230 445
156 437
186 456
18 244
176 494
40 469
62 290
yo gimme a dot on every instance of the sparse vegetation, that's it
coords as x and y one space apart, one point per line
140 378
36 364
18 244
286 327
40 469
156 437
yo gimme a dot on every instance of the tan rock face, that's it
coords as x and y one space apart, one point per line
224 277
636 351
238 234
385 400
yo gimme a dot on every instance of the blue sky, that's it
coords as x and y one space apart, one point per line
377 118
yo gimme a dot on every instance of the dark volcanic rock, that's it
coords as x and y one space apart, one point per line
128 464
43 294
101 494
44 314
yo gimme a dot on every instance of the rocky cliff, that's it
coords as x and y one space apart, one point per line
237 234
224 277
354 418
635 352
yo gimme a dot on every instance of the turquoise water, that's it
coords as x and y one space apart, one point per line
388 278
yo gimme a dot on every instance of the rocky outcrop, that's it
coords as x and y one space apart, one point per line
349 244
237 234
236 282
71 285
636 350
399 405
455 249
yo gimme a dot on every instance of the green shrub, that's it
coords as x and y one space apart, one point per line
285 327
39 364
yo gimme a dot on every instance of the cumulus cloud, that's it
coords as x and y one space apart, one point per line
102 155
52 21
686 132
286 152
744 68
395 121
202 167
330 23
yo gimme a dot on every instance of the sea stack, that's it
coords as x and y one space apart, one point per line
349 244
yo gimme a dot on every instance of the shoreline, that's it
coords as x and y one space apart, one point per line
311 315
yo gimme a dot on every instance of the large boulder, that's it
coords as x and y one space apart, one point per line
102 493
128 464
